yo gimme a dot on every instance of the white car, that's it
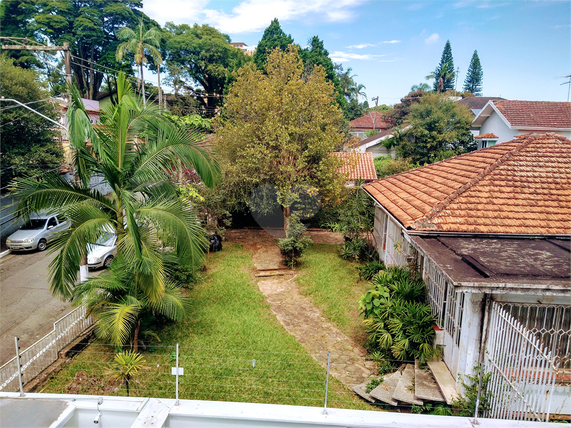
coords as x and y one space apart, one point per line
40 230
102 252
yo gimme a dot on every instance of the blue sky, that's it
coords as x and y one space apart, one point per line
524 46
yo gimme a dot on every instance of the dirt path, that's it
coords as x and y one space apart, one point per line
296 312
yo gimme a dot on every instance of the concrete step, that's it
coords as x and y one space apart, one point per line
361 389
274 272
425 387
444 379
405 390
384 391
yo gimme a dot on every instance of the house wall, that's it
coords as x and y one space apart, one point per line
495 124
380 150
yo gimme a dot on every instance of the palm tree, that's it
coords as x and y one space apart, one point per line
137 151
425 87
443 77
141 43
127 365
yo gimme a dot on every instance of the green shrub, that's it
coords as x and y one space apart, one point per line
373 383
293 248
370 269
398 319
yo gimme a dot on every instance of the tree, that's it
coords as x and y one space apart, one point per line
29 145
444 74
90 27
439 128
137 151
425 87
278 130
15 17
203 58
475 76
126 365
400 112
141 43
274 37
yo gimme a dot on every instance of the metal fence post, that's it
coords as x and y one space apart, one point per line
327 382
19 367
177 370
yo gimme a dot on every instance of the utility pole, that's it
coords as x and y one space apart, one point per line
42 48
374 116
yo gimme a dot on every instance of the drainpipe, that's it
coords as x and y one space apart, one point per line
484 333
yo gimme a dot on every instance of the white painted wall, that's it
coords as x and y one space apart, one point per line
495 124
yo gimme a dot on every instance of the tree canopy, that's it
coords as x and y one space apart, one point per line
278 130
205 61
444 74
28 140
439 128
475 76
274 37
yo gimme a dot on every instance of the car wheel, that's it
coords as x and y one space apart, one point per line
107 262
42 245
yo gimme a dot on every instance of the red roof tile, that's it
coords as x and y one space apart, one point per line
539 114
488 135
477 103
521 186
367 120
358 166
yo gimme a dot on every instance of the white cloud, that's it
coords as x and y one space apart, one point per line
347 56
391 41
177 11
255 15
433 38
361 46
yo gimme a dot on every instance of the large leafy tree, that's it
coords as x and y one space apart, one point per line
90 27
15 17
400 112
444 74
274 37
204 60
278 130
29 144
137 150
475 76
140 42
439 128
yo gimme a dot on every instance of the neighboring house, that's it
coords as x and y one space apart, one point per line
374 144
357 166
476 104
509 118
248 50
373 120
92 108
489 231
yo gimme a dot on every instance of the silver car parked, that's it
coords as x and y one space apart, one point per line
103 251
38 232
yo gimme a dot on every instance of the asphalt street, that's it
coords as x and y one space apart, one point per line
27 308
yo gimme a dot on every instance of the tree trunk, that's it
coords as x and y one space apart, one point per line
127 385
136 337
159 84
287 214
143 86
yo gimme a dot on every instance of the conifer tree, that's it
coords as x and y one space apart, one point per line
274 37
444 74
474 77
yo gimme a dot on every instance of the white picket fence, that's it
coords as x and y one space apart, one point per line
44 352
523 373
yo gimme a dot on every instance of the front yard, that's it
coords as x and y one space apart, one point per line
232 347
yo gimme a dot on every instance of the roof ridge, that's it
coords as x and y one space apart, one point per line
423 221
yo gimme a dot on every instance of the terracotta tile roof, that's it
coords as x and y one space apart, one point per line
366 121
488 135
521 186
539 114
359 166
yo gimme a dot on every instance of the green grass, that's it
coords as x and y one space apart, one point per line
229 326
333 285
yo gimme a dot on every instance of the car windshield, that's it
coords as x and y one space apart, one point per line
106 240
34 224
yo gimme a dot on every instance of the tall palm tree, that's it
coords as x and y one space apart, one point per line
137 151
141 43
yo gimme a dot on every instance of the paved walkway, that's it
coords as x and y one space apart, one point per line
298 315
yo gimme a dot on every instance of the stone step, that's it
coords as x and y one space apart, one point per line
405 389
384 392
361 389
274 272
425 387
444 379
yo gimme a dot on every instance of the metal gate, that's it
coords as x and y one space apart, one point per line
523 373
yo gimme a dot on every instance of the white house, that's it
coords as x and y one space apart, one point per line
375 144
489 231
506 119
370 121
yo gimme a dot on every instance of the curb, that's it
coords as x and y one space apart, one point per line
4 253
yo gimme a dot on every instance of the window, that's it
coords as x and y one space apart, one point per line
52 222
488 143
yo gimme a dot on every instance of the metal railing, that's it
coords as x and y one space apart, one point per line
44 352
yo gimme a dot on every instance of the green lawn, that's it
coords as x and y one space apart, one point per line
333 286
229 326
